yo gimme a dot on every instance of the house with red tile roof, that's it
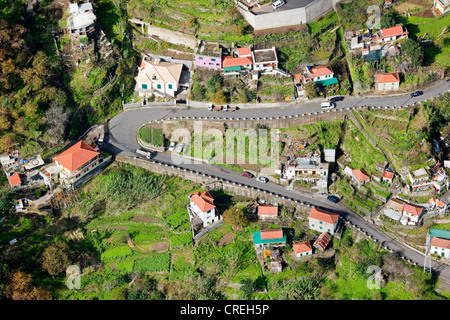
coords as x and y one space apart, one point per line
388 82
302 249
269 237
360 177
234 66
14 180
440 246
321 74
391 34
322 241
267 212
76 162
245 51
323 220
388 176
202 205
413 213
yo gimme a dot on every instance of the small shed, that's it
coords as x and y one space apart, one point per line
322 241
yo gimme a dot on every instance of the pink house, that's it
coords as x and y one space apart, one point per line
208 55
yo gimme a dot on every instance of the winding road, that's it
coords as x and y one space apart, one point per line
122 140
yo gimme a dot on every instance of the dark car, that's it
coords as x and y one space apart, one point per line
333 199
336 99
416 94
247 174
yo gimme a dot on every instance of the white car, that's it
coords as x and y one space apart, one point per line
262 179
278 3
180 147
172 146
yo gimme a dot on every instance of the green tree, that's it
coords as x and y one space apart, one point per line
412 52
197 92
311 90
234 217
219 97
387 20
55 258
214 79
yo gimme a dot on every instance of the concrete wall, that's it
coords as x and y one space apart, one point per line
286 18
235 188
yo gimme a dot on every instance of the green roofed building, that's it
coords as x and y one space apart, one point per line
273 237
327 82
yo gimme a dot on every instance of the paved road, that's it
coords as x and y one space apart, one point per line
122 140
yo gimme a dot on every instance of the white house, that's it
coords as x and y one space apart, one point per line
158 77
323 221
413 213
440 247
264 59
202 205
302 249
267 212
76 162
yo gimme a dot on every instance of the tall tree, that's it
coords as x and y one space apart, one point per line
55 258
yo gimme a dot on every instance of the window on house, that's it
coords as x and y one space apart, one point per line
320 222
158 86
212 59
201 58
144 86
170 86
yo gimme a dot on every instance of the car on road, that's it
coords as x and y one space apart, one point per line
180 147
262 179
416 93
172 146
333 199
247 174
278 3
336 99
328 105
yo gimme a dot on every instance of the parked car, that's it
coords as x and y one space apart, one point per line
416 94
145 153
247 174
172 146
180 147
101 139
328 105
262 179
336 99
333 199
278 3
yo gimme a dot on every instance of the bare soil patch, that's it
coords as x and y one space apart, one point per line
161 247
226 239
144 219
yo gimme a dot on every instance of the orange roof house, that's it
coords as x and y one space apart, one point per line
271 234
414 210
322 241
76 156
268 211
323 215
390 77
388 175
245 51
230 61
392 33
321 71
302 247
14 180
204 201
440 242
360 177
